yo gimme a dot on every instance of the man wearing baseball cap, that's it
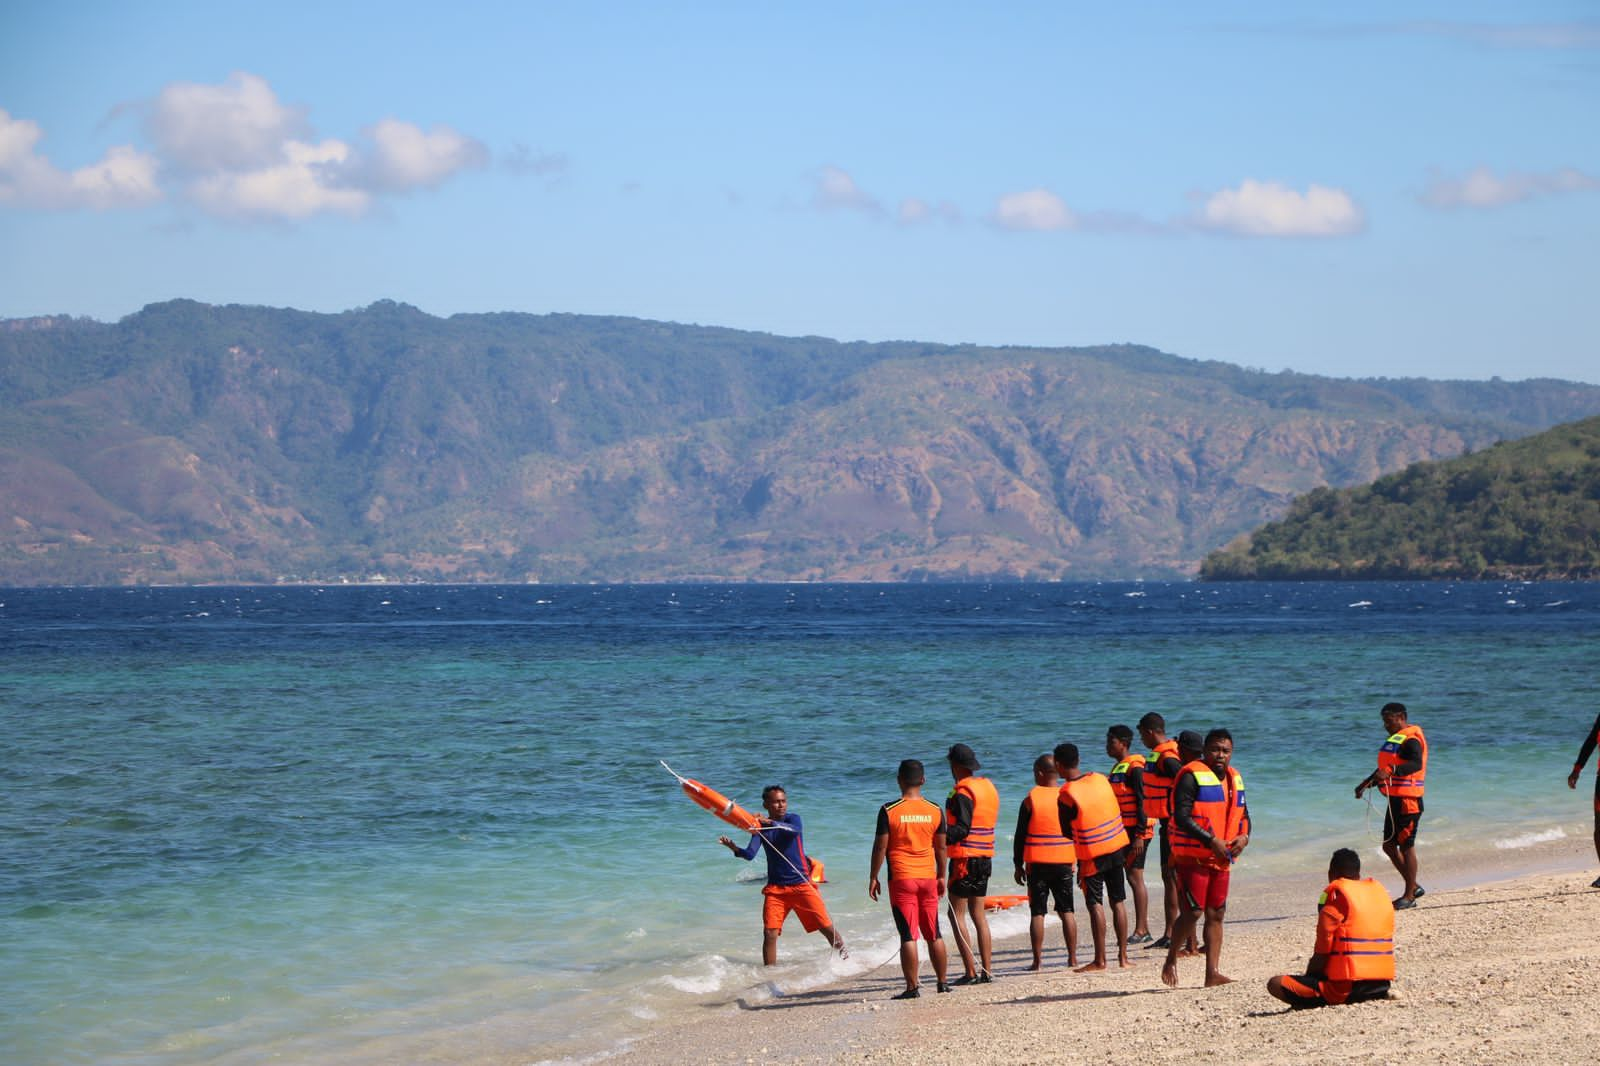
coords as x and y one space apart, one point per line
971 813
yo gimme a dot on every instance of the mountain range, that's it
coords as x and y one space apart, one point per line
190 443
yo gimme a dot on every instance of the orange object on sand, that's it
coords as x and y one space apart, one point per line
1000 903
720 805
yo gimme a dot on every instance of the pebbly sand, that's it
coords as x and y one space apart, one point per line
1489 970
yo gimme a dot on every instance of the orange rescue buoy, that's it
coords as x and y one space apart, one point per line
720 805
1001 903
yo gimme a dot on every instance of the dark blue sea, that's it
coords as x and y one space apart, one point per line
395 823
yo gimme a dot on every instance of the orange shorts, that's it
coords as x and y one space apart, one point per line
804 900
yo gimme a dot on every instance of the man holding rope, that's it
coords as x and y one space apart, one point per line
789 886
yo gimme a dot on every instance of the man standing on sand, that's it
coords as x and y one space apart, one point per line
1127 781
910 835
972 813
1353 958
1089 807
789 886
1584 752
1210 827
1402 769
1043 856
1161 770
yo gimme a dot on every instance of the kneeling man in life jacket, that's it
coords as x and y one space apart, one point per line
1353 959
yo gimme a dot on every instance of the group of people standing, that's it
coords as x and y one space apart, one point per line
1096 830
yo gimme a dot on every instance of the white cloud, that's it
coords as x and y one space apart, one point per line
306 182
124 177
837 190
1035 209
238 125
1268 209
404 157
914 211
1483 188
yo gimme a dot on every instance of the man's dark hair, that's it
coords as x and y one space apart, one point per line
1153 721
1218 734
1346 863
1066 756
767 792
1122 733
1396 708
911 773
1044 764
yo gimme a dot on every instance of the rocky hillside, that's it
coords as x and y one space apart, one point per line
191 443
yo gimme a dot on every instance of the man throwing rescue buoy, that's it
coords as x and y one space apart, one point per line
789 886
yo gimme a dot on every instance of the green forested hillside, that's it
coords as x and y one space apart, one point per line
1524 509
193 443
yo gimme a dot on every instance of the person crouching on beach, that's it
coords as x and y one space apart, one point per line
789 886
1353 958
910 835
1087 805
1043 857
972 815
1210 827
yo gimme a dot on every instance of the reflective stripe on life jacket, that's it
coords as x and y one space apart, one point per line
1218 810
1389 758
1158 786
1097 825
1045 841
1119 785
1363 942
979 841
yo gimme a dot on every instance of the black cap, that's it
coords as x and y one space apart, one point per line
963 756
1191 740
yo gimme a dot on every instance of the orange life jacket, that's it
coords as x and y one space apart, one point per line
1119 785
1045 841
1389 758
1218 809
979 841
913 823
1097 825
1363 942
1158 786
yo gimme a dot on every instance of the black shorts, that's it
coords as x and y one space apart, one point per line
1046 879
1136 863
1304 991
1400 821
970 876
1102 878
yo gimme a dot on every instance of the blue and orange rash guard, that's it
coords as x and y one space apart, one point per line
786 853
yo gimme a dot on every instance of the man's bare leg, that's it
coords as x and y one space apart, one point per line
968 964
769 947
1141 903
1119 923
1214 975
1182 930
1069 930
1036 940
1097 927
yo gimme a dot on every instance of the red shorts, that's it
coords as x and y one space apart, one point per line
1205 886
915 902
803 900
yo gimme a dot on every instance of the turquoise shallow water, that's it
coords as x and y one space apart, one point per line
378 824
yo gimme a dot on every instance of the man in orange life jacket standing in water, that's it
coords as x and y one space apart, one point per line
1353 958
973 812
1589 742
1402 769
789 886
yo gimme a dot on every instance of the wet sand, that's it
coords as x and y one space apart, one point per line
1490 969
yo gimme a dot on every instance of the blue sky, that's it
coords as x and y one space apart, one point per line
1355 190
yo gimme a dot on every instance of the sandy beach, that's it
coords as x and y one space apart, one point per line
1494 969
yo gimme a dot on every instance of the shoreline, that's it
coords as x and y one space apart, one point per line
1494 963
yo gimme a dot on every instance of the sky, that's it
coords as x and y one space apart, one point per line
1357 190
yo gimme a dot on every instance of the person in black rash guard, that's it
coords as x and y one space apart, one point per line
1584 752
